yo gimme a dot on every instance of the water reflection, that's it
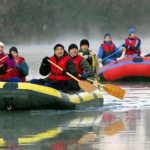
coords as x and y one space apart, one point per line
90 130
118 125
131 132
41 131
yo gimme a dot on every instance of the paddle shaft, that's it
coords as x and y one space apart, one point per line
110 55
66 72
147 55
94 82
3 58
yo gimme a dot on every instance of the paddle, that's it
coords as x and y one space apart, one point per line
147 55
84 85
3 58
111 89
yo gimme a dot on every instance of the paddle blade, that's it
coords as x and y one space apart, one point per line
114 128
86 86
114 90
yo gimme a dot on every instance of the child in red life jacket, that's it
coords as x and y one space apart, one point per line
132 44
21 64
107 49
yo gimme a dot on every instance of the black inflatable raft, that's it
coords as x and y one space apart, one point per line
27 96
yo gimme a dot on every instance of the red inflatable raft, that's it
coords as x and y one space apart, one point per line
126 69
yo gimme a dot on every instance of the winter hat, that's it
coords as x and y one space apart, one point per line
71 46
58 45
1 44
131 30
84 42
14 49
107 34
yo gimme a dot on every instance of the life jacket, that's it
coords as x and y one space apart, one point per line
19 62
10 73
3 58
108 48
92 61
131 44
57 74
77 61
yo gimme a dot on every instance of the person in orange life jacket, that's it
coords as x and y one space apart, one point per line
132 44
56 78
83 67
106 49
7 64
89 55
21 64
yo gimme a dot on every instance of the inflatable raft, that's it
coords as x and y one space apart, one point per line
126 69
27 96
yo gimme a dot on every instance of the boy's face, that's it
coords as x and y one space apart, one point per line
107 39
84 47
73 52
133 35
59 52
1 49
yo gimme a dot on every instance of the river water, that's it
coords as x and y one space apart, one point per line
118 125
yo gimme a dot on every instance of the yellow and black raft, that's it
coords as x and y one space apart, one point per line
27 96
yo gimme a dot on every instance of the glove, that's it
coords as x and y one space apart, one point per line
45 60
3 69
10 56
85 75
100 60
122 49
85 56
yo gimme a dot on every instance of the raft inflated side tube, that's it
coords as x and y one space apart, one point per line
128 67
31 96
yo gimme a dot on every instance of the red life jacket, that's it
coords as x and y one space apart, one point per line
3 58
77 61
108 48
57 74
10 72
131 44
19 61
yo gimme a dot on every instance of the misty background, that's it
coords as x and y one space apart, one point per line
47 20
35 26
